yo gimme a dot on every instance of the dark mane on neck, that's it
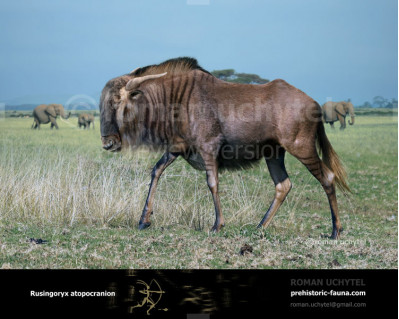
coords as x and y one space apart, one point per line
172 66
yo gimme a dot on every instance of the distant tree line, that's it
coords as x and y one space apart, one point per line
380 102
230 75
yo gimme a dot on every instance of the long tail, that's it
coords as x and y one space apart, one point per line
331 159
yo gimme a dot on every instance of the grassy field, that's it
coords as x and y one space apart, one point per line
84 204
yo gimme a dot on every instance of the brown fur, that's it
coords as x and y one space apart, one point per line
331 159
219 125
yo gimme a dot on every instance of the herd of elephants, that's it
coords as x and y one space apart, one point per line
47 113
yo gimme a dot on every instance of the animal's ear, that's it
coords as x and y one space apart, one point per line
134 71
340 108
51 110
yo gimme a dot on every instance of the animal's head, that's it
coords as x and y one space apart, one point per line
57 109
119 107
348 108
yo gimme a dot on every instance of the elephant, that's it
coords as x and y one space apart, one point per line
85 120
46 113
337 111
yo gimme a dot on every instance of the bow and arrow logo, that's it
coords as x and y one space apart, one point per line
152 295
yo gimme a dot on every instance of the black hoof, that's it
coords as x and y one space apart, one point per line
144 225
335 234
216 228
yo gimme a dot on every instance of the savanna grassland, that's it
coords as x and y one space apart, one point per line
66 203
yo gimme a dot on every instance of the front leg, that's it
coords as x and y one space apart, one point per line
53 122
342 121
156 173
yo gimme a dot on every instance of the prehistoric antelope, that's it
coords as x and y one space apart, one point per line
215 125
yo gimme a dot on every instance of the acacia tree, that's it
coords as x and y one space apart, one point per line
223 74
379 101
231 76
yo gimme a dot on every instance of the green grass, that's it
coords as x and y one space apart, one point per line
61 186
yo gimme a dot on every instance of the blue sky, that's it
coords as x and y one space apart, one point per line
335 49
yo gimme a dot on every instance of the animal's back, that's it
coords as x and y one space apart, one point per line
257 116
38 109
252 120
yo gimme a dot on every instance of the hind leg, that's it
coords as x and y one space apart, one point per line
283 186
212 180
35 124
326 178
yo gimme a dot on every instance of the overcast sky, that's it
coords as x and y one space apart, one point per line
335 49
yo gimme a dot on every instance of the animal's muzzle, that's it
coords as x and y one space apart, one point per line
108 145
111 143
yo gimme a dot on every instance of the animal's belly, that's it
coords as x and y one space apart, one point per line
331 116
231 157
240 152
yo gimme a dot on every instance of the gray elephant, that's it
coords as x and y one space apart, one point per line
85 120
337 111
47 113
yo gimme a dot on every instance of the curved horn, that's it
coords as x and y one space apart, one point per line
134 83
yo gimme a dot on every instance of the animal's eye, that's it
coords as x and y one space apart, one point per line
135 93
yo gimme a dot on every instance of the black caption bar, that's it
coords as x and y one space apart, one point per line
206 294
